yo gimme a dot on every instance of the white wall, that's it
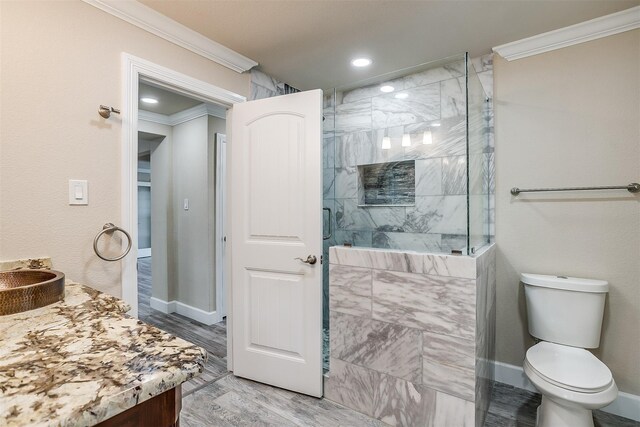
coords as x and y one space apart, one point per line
162 270
60 61
194 279
571 118
216 125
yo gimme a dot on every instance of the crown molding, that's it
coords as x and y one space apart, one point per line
183 116
149 116
162 26
604 26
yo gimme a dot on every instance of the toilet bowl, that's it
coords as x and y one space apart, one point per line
565 313
572 382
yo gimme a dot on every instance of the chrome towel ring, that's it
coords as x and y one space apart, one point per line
111 228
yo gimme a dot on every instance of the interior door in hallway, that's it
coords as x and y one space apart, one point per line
276 231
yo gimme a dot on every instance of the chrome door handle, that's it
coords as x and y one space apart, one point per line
311 259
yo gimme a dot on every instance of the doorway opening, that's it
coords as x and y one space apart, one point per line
150 178
180 221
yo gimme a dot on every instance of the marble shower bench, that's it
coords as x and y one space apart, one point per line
411 335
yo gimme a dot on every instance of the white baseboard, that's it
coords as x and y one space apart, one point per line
626 405
205 317
144 253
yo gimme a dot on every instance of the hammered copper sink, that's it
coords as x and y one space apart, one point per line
23 290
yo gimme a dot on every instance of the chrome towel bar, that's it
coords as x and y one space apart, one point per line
634 187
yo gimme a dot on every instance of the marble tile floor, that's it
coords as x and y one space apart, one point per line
218 398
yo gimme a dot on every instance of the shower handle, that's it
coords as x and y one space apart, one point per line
311 259
330 233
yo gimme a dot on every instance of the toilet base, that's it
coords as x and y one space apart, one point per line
551 414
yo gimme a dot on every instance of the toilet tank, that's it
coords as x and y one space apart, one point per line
565 310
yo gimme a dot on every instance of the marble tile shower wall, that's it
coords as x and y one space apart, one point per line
355 123
410 335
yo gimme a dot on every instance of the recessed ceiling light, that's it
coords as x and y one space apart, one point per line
403 95
387 89
149 100
361 62
435 125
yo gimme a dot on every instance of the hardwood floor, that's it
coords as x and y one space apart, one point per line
212 338
515 407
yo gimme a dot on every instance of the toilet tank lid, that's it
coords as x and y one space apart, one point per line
565 283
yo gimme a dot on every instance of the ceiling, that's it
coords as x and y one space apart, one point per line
168 102
309 44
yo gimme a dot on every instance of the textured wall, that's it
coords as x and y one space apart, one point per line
60 61
570 118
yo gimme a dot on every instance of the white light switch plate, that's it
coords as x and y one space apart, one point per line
78 192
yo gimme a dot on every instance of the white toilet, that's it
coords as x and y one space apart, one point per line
565 313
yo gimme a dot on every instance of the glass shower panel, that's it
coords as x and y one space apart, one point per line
478 162
400 143
328 203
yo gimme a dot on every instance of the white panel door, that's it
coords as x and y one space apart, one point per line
276 217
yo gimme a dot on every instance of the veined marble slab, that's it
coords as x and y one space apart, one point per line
346 182
350 290
371 91
383 347
434 75
453 98
405 261
437 214
354 149
429 242
429 177
444 305
449 139
423 104
402 403
351 386
351 216
82 360
483 63
450 379
353 116
449 350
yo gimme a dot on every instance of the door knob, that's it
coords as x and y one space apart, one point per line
311 259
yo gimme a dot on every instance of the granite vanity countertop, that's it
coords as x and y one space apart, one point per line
83 360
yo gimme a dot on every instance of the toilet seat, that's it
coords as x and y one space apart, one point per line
570 368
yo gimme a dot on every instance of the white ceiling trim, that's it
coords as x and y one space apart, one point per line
579 33
162 26
183 116
150 116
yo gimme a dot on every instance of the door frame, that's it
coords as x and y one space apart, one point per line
136 69
220 218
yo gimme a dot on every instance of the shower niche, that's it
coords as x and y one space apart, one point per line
387 184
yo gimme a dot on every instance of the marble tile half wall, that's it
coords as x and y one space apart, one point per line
404 335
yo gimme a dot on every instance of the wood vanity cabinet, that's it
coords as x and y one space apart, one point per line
162 410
